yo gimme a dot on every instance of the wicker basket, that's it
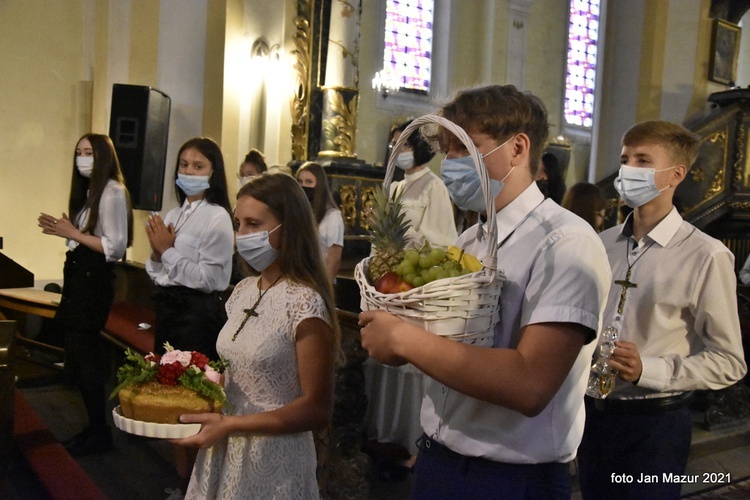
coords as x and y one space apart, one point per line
464 308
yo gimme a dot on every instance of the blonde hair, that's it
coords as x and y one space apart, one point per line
680 143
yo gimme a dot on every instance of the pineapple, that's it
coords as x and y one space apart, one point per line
387 233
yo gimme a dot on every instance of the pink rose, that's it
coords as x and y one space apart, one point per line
212 375
182 357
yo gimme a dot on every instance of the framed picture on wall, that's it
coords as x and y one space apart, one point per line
725 45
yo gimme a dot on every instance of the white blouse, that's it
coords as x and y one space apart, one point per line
428 206
112 226
201 257
331 230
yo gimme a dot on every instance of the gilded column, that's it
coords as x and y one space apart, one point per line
340 95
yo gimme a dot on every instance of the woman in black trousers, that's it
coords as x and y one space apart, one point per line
98 231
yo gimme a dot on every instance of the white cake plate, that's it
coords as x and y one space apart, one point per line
150 429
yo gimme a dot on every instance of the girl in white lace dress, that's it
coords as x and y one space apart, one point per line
281 339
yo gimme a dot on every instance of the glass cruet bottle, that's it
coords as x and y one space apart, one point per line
602 376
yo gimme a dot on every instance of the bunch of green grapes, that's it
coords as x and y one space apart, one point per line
426 265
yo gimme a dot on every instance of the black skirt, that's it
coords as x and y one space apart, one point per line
188 319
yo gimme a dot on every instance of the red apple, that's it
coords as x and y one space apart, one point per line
387 282
404 286
391 282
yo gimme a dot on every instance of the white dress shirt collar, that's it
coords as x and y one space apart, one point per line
511 216
416 175
661 234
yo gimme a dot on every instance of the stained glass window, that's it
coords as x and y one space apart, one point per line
408 43
583 35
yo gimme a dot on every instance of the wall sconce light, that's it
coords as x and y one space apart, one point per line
386 82
261 50
265 62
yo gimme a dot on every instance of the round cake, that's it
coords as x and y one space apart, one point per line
159 388
163 404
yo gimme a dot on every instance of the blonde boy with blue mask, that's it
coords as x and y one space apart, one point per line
674 304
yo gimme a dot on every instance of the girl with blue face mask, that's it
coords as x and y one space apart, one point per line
281 341
191 259
191 251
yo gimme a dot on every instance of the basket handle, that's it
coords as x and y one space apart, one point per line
484 178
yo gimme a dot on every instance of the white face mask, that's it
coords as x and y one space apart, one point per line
405 160
257 250
637 185
85 165
243 180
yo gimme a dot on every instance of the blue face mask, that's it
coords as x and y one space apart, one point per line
405 160
192 184
464 186
256 249
637 185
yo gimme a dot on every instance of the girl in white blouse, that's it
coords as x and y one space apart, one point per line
425 198
98 231
191 258
314 182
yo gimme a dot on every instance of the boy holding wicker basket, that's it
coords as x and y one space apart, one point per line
501 420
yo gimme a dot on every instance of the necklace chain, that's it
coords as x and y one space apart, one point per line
252 311
178 226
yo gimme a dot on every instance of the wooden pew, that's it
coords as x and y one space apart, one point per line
132 309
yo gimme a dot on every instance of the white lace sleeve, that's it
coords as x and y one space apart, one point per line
308 304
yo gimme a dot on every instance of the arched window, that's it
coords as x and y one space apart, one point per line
583 43
407 54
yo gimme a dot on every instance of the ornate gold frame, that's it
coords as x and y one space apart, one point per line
303 70
725 47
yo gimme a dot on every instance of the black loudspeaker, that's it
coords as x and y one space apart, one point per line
139 128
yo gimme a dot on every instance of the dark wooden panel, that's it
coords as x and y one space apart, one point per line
13 274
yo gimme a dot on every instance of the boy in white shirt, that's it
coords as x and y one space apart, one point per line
503 421
673 301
